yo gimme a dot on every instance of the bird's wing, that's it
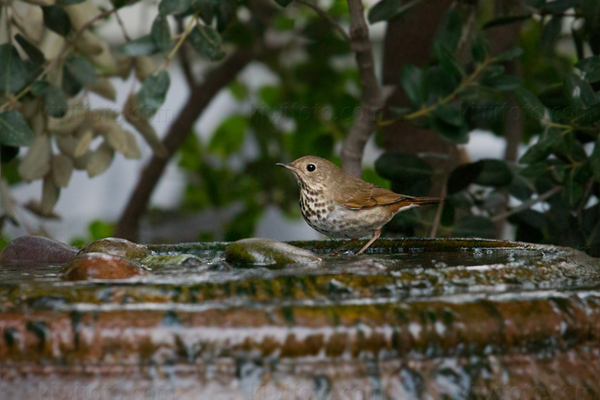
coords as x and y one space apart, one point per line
367 196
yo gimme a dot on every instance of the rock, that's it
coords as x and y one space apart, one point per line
160 260
117 247
100 266
267 252
35 250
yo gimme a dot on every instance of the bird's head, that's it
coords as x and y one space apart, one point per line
313 171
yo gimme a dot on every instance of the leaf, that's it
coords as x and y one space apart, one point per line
480 48
153 92
54 99
595 161
535 170
207 42
57 20
449 30
408 173
590 10
558 6
590 67
161 33
143 46
14 131
480 227
447 60
68 2
284 3
463 176
450 113
388 9
440 83
550 33
537 152
589 116
13 73
452 133
501 83
168 7
225 10
579 93
34 54
530 103
508 55
494 173
412 82
81 69
506 20
229 136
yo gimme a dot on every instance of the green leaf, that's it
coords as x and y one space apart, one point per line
449 30
271 95
14 131
68 2
450 113
480 227
388 9
447 60
207 42
589 116
501 83
507 20
595 161
408 172
452 133
57 20
225 10
412 82
508 55
153 92
579 93
13 73
54 98
229 136
143 46
81 69
530 103
590 67
494 173
535 170
537 152
463 176
161 33
34 54
480 48
440 83
168 7
590 10
550 33
284 3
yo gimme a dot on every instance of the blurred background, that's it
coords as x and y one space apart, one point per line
491 104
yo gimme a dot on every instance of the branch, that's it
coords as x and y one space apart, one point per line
439 210
526 205
326 17
199 98
372 98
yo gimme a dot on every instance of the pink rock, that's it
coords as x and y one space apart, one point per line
27 251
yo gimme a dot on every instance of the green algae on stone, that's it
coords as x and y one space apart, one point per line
268 253
117 247
159 260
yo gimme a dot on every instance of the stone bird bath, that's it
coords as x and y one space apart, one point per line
412 319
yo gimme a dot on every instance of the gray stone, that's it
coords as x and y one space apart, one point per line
267 253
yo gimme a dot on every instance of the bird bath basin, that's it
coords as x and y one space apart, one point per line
412 319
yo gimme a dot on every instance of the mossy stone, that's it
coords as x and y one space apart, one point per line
117 247
267 253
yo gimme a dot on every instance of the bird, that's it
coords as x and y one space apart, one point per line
341 205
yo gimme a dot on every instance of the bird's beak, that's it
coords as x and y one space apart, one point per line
287 166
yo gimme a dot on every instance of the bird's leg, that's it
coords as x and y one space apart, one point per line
376 234
337 250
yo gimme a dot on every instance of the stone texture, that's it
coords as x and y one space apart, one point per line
117 247
267 252
27 251
100 266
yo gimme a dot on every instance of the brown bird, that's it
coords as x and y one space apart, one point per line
341 205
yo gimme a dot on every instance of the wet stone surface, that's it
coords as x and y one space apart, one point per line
429 319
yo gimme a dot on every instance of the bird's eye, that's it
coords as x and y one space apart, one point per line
310 167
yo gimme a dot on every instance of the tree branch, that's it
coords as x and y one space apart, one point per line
372 99
326 17
198 100
526 205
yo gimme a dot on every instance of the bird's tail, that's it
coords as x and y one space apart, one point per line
421 201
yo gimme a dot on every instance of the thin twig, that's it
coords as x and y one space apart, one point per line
438 212
185 33
122 25
372 99
326 17
527 204
184 57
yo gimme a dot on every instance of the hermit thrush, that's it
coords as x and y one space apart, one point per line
341 205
